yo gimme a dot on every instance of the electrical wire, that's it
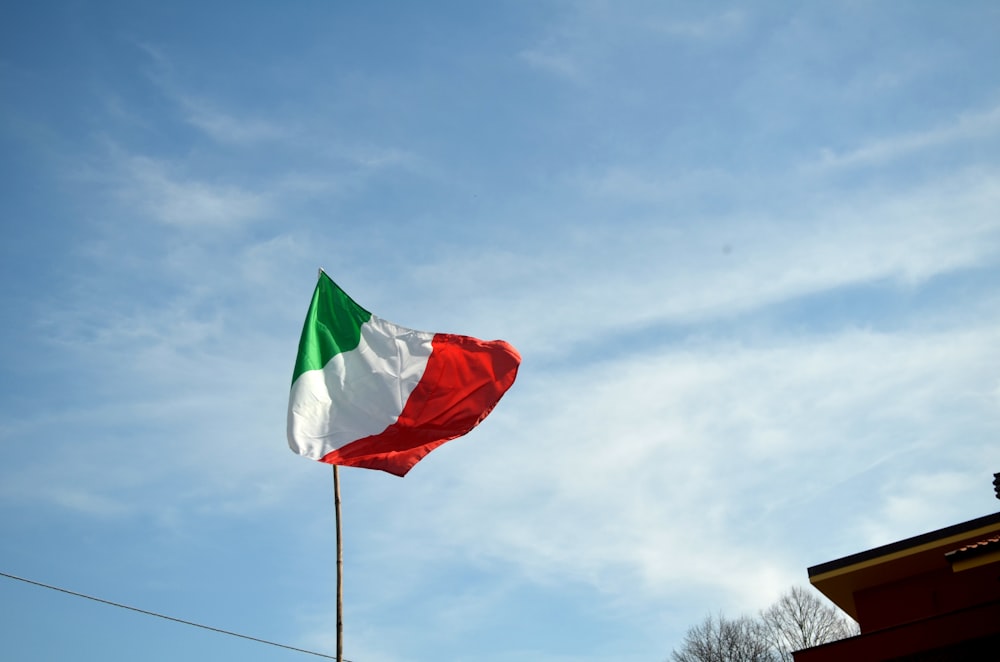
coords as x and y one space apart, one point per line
169 618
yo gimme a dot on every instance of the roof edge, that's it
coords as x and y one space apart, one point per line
922 539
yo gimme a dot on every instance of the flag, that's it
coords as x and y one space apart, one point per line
368 393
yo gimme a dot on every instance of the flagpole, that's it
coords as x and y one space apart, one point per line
340 550
340 567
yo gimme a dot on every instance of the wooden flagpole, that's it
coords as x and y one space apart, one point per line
340 567
340 554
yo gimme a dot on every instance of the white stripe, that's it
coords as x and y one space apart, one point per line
358 393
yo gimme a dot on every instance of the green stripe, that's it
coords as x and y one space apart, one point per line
333 325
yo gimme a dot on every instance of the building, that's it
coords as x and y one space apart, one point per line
934 597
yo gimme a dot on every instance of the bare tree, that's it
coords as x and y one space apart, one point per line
719 639
800 619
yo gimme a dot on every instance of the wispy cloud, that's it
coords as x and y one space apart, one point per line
227 128
152 188
623 465
982 125
561 65
717 267
910 498
713 26
590 36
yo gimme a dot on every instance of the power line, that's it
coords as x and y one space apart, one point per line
168 618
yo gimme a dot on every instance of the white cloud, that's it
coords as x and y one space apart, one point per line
910 501
966 128
638 272
227 128
149 185
559 64
591 35
709 27
673 472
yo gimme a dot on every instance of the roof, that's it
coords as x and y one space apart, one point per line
975 554
841 578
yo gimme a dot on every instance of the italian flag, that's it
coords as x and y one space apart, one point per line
368 393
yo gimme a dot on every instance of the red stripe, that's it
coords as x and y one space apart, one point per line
464 379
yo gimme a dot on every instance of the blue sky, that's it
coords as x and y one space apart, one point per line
750 256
